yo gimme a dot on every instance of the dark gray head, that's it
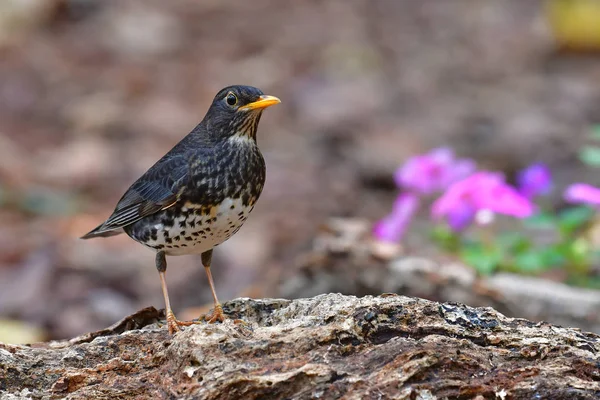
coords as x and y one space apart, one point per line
236 110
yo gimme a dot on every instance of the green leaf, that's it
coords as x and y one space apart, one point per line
578 254
594 256
530 262
540 221
553 257
579 251
513 242
446 238
572 218
595 132
591 282
484 260
590 155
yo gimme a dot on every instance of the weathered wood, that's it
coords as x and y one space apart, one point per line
326 347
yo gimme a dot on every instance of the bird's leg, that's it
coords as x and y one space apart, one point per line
217 313
161 266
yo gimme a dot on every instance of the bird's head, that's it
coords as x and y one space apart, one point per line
236 110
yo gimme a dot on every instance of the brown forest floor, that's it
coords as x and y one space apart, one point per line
91 96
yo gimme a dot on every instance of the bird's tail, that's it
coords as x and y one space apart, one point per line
102 231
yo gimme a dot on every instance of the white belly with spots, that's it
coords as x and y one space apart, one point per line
198 233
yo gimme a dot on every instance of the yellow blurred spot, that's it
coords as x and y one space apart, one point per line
19 332
575 23
592 234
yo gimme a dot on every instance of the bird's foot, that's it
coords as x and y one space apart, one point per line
174 324
216 315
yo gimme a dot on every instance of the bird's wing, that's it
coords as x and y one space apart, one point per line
156 190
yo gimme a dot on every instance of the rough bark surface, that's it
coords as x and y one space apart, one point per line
327 347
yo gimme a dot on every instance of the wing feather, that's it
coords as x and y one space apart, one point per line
156 190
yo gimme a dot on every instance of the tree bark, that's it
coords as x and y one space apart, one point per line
327 347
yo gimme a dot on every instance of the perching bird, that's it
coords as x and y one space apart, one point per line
200 193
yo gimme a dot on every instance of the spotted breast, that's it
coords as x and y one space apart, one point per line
192 229
214 205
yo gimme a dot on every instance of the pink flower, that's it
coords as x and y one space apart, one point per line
480 191
583 193
394 226
534 180
432 172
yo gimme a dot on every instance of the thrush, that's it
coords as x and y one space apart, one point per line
200 193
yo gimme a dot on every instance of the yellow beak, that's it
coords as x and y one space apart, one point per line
263 101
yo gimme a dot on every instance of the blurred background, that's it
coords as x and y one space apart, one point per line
93 92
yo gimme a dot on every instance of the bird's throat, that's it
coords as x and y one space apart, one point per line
245 127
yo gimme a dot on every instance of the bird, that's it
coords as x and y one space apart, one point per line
199 193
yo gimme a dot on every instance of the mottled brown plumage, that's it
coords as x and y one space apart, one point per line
200 193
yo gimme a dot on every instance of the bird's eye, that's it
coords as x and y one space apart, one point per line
231 99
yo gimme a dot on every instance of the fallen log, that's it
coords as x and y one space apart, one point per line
327 347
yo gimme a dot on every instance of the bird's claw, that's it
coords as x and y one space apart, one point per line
216 315
174 324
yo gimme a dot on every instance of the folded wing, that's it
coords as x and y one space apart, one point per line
156 190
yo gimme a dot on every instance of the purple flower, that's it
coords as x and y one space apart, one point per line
461 216
480 191
434 171
392 227
583 193
534 180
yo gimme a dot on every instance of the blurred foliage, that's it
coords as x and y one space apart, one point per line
489 251
572 250
590 154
